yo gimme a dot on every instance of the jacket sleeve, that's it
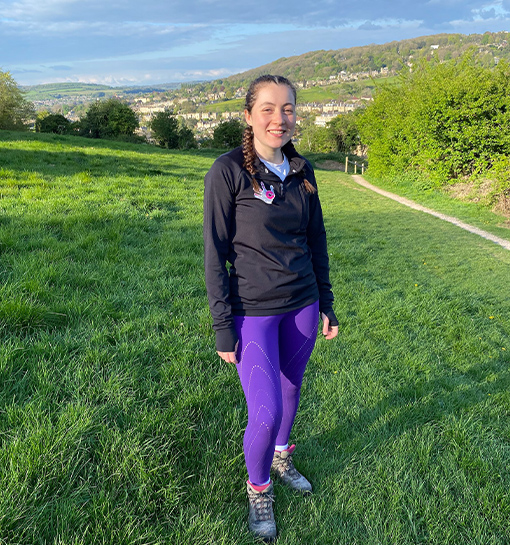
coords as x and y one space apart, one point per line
219 203
316 237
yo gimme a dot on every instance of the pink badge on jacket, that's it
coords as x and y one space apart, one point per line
265 195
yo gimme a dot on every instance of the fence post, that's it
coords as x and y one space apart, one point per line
355 165
346 164
362 168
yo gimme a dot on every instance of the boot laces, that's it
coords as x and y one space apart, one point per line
262 505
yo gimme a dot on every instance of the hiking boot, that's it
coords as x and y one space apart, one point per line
283 467
261 518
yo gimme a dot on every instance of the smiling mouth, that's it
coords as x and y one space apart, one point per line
278 132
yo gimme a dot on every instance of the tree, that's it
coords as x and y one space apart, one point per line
15 110
54 123
228 134
169 134
317 139
165 129
109 119
187 138
345 131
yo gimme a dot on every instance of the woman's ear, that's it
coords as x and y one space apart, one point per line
247 117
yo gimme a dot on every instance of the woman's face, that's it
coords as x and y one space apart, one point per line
273 119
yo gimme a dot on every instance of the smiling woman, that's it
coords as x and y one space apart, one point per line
262 215
272 119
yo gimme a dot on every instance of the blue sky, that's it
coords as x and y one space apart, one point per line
131 43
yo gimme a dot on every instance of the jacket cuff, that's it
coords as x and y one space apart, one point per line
331 317
226 340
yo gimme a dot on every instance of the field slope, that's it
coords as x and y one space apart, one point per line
119 424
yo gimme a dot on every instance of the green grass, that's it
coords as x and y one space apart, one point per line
439 200
322 94
233 105
120 425
49 91
52 90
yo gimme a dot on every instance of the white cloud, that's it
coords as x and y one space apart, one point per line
491 11
195 39
35 9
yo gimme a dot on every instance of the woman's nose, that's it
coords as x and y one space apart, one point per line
278 117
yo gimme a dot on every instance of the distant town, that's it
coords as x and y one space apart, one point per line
203 109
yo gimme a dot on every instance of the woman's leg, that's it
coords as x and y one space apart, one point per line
297 335
259 372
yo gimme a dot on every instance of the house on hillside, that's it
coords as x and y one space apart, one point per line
324 119
310 107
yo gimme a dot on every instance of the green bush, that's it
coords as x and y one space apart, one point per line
228 134
317 139
165 129
445 121
169 134
109 119
346 132
54 123
340 134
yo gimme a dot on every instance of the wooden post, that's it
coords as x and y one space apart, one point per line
362 168
355 165
346 164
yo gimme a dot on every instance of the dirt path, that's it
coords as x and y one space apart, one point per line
489 236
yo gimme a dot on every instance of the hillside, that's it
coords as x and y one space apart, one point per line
489 48
50 91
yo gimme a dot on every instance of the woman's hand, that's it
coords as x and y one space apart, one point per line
329 331
229 357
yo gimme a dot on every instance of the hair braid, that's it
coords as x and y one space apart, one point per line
250 156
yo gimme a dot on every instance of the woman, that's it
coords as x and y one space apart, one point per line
262 216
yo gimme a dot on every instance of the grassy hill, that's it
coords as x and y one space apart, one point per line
87 90
119 424
488 47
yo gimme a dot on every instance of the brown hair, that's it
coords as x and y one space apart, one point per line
248 147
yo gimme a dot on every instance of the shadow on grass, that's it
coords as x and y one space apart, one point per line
66 163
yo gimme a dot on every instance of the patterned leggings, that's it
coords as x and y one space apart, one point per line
273 352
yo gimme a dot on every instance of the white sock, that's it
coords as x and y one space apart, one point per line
281 448
262 484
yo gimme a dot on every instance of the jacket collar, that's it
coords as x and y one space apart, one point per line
296 162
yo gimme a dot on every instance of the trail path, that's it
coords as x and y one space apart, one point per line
489 236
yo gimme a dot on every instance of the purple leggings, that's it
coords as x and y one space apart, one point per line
273 352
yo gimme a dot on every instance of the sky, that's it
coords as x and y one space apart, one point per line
127 42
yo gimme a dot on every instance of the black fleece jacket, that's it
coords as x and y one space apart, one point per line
262 259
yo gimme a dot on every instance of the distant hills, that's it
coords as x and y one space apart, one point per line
488 48
49 91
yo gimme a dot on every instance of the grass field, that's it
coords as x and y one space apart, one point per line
120 425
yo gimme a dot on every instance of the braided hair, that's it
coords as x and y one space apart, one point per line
248 146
